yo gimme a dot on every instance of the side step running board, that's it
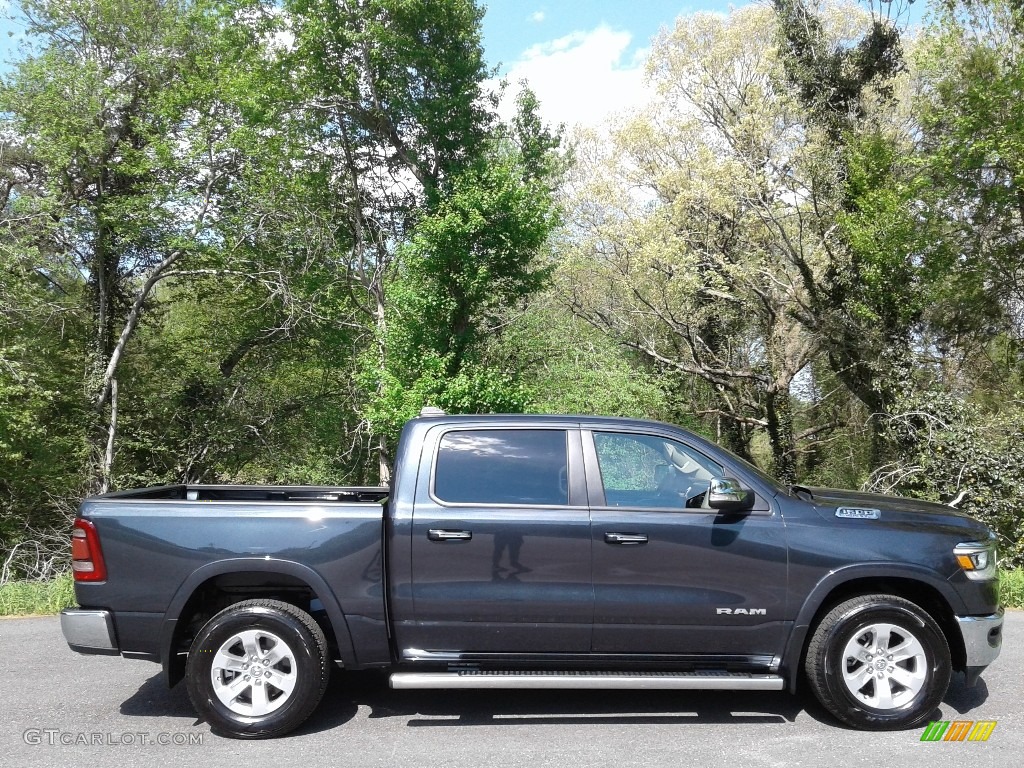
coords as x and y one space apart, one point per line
703 680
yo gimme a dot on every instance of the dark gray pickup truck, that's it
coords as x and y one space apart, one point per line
539 552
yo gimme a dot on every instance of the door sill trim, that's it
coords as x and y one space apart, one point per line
701 680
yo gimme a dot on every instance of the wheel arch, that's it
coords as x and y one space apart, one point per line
918 585
216 585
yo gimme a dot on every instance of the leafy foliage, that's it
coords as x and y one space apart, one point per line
952 450
832 73
973 135
248 238
470 259
42 446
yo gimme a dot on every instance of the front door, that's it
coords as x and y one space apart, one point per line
501 544
672 576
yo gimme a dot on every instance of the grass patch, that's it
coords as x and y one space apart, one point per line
1011 588
23 598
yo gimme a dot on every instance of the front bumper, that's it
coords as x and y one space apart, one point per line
89 631
983 638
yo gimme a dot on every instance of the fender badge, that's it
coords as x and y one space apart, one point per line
859 513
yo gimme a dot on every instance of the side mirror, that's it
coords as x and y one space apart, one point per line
726 495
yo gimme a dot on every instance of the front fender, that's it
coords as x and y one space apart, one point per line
873 575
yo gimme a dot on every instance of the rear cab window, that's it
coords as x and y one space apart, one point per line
508 467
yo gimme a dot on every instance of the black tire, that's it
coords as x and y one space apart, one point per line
261 700
878 691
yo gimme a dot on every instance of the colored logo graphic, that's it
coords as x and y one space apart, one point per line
958 730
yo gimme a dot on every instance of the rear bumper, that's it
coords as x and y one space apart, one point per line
88 631
983 638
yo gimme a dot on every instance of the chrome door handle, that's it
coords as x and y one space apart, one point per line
625 538
441 534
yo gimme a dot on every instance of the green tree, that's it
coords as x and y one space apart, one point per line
42 446
392 93
470 258
972 67
569 366
698 242
871 296
129 159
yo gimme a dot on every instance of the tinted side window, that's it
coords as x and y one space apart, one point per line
502 466
651 471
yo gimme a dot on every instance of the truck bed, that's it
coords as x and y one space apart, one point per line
252 493
164 544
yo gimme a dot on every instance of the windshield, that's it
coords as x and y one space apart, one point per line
754 470
761 474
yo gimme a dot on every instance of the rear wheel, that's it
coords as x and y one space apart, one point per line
879 662
257 669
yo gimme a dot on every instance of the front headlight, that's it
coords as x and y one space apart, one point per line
977 558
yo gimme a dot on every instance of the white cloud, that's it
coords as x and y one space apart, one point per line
582 78
537 17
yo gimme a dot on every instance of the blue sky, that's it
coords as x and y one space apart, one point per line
7 49
583 58
511 26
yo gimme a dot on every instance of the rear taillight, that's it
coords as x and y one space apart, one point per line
86 555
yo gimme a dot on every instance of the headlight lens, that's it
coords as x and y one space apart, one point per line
977 558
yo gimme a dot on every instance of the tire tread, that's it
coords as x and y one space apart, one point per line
302 709
817 652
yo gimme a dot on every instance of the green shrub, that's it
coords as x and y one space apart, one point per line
1011 589
25 598
950 448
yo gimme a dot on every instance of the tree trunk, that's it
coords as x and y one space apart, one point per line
734 436
108 453
103 279
383 457
779 415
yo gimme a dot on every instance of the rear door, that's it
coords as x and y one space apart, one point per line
501 543
672 576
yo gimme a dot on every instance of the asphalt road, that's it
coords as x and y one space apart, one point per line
54 704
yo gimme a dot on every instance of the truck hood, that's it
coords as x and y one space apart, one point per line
893 509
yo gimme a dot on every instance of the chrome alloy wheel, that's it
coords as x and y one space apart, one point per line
253 673
884 666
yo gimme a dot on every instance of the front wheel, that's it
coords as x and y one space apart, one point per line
257 669
878 662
